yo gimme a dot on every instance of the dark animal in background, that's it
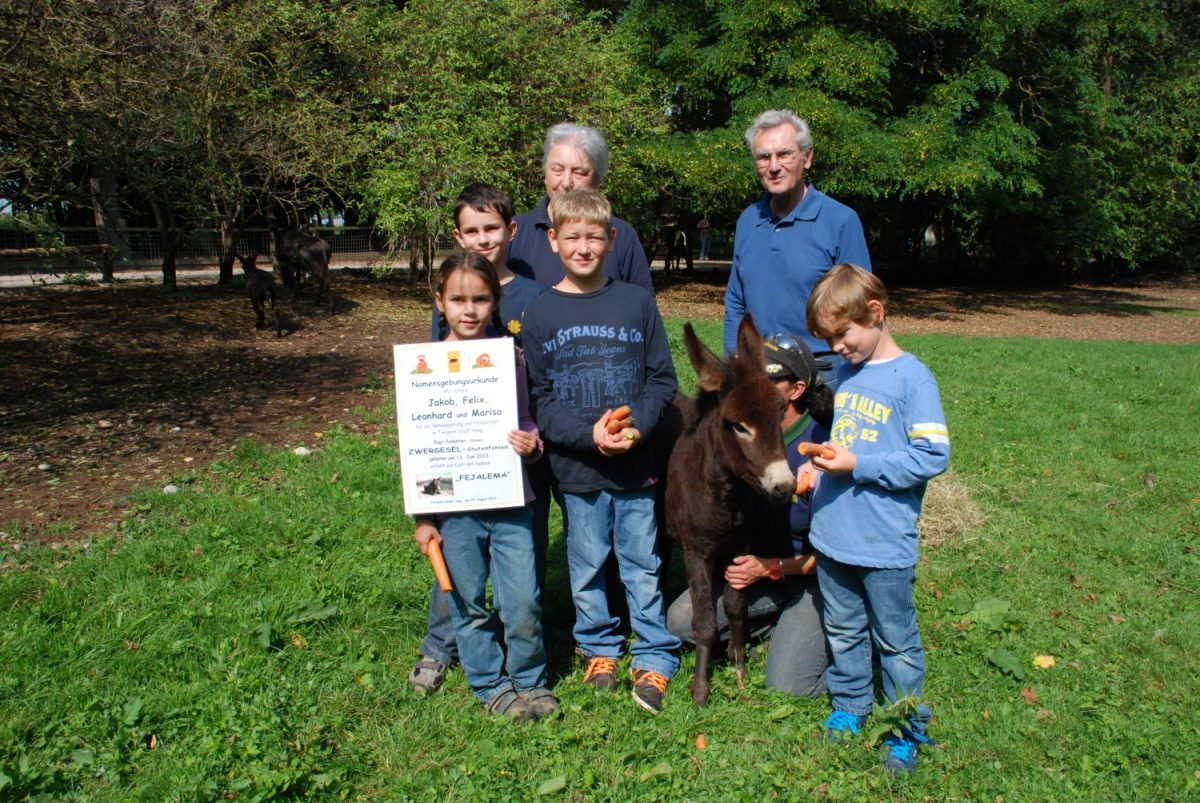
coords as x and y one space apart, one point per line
260 286
296 255
728 485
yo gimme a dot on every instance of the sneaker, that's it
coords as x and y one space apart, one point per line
541 702
648 689
900 756
510 704
601 673
427 675
841 724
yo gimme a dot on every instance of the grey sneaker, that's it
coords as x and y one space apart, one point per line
509 704
601 674
648 689
427 675
541 701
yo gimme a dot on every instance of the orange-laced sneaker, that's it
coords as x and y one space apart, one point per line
648 689
601 673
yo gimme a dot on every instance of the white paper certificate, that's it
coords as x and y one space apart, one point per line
456 402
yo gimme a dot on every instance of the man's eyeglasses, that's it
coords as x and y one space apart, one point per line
785 157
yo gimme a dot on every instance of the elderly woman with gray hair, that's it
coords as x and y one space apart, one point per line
574 156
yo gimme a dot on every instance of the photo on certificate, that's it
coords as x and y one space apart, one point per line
456 402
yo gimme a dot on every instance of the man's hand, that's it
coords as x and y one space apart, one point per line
745 571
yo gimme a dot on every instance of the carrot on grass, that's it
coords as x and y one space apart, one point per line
439 566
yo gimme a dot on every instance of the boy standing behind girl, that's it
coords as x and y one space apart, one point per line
593 345
889 439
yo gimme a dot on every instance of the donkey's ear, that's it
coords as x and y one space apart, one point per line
709 367
750 342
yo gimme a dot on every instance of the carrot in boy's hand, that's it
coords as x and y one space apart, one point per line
621 418
439 566
809 449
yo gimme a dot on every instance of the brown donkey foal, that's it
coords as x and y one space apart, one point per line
728 485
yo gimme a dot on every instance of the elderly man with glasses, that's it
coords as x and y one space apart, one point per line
786 241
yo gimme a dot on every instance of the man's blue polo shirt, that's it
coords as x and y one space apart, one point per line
778 260
529 253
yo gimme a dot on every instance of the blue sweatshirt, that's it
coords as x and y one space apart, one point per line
889 413
588 353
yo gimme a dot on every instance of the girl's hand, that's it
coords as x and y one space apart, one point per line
744 571
426 533
842 462
523 443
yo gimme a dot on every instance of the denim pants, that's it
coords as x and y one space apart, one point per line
865 604
787 612
438 643
498 543
600 522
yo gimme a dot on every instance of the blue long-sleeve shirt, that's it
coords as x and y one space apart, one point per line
530 255
778 260
588 353
889 413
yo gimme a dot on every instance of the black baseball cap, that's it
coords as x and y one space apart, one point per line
789 357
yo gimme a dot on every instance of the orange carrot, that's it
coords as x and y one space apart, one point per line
808 449
439 566
620 419
806 478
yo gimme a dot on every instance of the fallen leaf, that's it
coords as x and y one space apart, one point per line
1044 661
1043 713
1055 613
1029 694
1118 618
1091 598
987 714
701 742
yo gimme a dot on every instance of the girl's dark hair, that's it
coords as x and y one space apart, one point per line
472 263
818 400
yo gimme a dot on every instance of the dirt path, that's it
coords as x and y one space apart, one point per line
107 389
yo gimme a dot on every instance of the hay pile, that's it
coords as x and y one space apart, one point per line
948 512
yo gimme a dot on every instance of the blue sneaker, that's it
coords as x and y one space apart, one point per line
900 757
840 724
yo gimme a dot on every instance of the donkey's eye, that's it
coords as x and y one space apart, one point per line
739 428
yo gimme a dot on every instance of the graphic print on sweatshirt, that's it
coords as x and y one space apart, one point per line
594 365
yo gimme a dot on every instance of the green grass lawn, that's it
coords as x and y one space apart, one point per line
249 636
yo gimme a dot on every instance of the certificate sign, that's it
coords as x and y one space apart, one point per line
456 402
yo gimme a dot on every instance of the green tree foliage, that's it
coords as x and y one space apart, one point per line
199 110
1068 123
473 89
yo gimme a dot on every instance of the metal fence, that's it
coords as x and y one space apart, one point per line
144 246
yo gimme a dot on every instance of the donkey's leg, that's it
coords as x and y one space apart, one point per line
704 621
735 612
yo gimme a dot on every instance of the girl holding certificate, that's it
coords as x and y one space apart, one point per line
492 543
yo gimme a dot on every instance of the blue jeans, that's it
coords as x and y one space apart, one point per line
865 604
598 523
499 544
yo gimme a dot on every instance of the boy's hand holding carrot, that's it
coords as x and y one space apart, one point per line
842 460
614 433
